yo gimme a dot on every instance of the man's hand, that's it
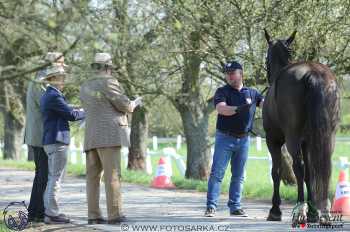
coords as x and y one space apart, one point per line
243 108
136 102
261 103
223 109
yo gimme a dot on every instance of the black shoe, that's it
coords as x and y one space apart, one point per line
60 219
39 219
31 219
238 213
210 212
117 220
97 221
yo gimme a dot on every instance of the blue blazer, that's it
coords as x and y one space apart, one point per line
56 113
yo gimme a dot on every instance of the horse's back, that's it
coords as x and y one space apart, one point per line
286 102
301 70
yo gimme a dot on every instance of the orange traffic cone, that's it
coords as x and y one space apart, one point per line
162 179
341 203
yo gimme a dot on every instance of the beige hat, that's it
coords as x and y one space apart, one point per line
53 56
103 58
55 70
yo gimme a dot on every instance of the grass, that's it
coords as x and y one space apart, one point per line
257 185
3 227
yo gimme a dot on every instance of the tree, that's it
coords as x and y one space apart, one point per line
20 48
117 24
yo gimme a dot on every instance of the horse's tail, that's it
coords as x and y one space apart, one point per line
322 119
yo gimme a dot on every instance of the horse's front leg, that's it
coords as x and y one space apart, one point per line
294 149
275 213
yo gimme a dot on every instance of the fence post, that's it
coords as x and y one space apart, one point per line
178 142
155 143
82 153
73 152
170 166
343 162
25 151
149 170
181 165
124 154
258 143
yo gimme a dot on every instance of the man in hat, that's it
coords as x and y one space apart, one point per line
106 131
33 138
236 106
56 113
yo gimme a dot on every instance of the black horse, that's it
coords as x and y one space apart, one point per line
301 109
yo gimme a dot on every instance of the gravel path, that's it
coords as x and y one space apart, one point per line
147 209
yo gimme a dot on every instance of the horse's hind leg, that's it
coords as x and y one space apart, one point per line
294 149
275 213
312 214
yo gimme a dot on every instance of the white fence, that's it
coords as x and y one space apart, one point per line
76 155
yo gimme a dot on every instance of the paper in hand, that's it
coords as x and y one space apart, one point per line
138 101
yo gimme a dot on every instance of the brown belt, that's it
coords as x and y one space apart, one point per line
229 133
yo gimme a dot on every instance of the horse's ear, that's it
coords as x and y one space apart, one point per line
267 36
291 38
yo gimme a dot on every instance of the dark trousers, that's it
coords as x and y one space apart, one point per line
36 204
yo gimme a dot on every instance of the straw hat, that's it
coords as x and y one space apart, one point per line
55 70
103 58
53 56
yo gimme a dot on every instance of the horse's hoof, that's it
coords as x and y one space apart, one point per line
312 218
312 214
274 217
325 221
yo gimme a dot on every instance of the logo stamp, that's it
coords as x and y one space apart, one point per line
16 216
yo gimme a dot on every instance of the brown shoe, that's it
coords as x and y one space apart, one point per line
117 220
97 221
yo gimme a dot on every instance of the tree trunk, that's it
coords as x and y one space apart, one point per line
195 123
287 173
13 137
138 140
12 97
194 111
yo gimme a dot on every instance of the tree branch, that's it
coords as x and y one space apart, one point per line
25 72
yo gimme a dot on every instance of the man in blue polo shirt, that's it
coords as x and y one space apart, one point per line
236 106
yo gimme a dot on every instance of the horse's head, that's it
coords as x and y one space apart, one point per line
278 54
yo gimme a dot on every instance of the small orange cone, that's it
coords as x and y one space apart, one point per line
162 179
341 203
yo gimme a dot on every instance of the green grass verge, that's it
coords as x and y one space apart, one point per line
257 185
3 227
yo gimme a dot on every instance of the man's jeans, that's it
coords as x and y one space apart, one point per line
57 159
228 148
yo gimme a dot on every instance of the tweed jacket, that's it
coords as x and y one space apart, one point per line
106 109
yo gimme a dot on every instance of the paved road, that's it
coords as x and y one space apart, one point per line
164 210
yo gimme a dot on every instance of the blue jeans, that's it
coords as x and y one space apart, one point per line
57 159
228 148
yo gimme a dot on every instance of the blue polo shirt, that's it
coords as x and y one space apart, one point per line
241 122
